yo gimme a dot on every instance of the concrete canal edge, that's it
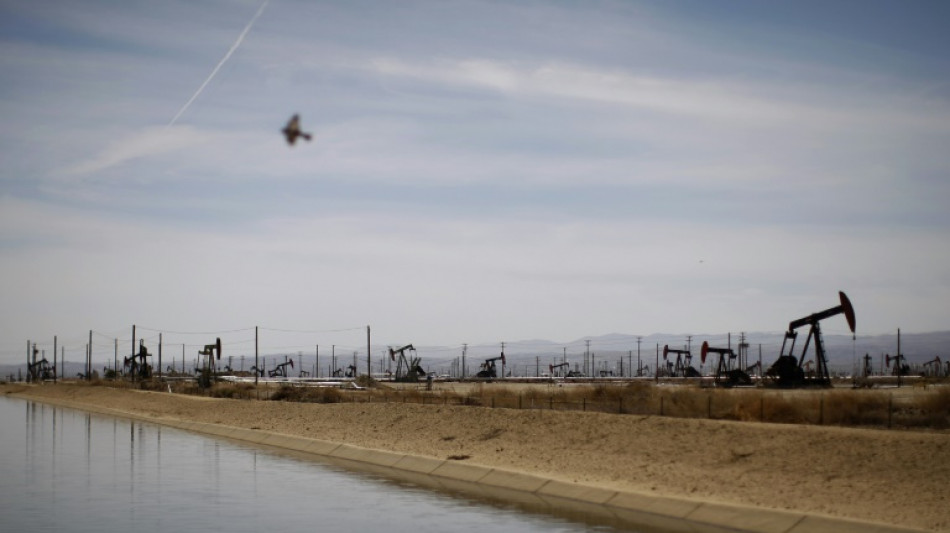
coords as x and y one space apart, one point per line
646 512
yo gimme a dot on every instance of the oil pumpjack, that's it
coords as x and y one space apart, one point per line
280 371
488 367
727 375
211 352
41 370
866 371
682 368
788 370
137 365
406 369
901 368
933 368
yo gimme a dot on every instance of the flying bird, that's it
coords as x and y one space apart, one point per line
292 130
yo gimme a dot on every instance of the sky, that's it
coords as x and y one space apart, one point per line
480 171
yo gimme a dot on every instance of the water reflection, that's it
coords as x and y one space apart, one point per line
72 471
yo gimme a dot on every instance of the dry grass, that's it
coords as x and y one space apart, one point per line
288 393
858 408
238 391
931 410
915 408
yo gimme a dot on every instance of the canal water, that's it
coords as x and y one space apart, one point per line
67 470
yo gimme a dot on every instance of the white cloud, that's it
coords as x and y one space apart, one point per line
709 98
700 130
148 142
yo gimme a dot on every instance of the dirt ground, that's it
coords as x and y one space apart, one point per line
896 477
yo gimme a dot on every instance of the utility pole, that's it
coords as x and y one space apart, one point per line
133 347
639 338
899 358
369 367
54 358
160 356
464 350
317 364
587 371
133 350
256 357
502 360
743 364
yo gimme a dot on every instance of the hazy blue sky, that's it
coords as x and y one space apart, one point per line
480 170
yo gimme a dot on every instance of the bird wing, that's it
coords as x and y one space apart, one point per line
292 129
294 123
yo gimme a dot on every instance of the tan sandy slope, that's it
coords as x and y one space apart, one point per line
896 477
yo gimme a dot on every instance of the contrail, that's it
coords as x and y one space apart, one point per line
220 63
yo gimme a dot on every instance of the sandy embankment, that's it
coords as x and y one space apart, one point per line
893 477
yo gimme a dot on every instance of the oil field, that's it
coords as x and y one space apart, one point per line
686 255
798 383
718 426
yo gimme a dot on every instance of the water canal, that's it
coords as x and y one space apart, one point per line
67 470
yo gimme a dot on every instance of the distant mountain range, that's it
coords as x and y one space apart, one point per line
526 357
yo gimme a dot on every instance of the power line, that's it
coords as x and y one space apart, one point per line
312 331
195 332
